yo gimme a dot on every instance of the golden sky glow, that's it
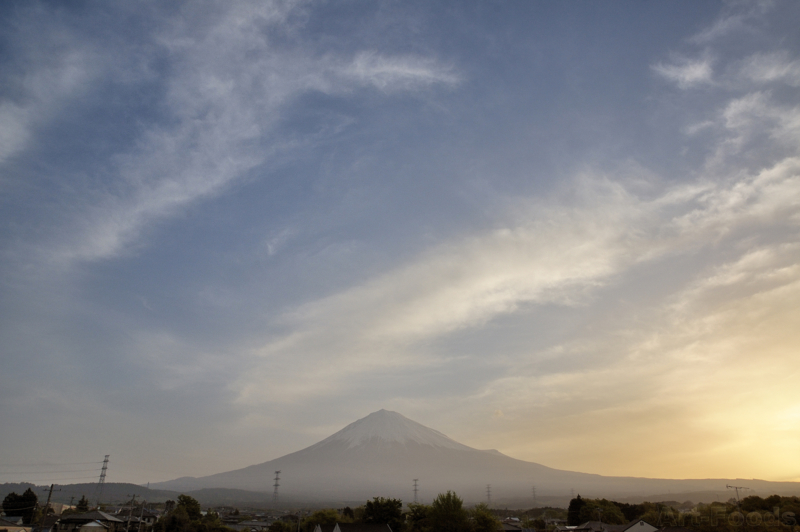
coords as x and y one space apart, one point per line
570 234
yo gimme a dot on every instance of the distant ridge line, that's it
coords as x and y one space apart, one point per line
378 454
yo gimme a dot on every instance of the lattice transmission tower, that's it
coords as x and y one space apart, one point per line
98 491
277 483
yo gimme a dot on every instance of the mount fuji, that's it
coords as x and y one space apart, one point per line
381 454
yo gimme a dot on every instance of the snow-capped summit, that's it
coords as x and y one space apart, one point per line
388 426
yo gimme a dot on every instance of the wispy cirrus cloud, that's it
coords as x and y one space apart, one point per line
561 256
686 73
399 73
772 67
498 265
642 371
46 88
222 105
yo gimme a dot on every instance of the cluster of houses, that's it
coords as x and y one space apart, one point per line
637 525
139 520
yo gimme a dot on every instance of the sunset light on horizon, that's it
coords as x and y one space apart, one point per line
566 231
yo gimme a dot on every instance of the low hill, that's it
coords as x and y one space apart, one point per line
113 492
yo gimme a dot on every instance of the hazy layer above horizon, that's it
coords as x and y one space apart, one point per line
386 453
568 232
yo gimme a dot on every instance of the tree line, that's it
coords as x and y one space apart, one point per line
752 514
445 514
27 507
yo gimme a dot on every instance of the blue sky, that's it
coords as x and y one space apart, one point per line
229 229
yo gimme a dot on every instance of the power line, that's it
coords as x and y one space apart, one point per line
47 472
32 481
50 465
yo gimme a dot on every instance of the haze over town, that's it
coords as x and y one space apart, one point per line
564 231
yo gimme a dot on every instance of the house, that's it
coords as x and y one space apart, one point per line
147 518
50 524
95 521
93 526
353 527
588 526
13 524
508 526
140 519
251 526
637 525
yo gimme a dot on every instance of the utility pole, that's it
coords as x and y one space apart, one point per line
415 490
46 506
141 515
130 514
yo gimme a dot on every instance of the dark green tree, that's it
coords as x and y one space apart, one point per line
483 519
175 521
83 505
210 523
281 526
21 505
328 516
447 513
631 511
574 511
384 511
601 510
417 518
191 506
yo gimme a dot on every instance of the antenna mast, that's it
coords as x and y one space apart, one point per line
489 494
415 490
737 488
100 484
277 483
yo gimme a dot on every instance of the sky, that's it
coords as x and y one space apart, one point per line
567 231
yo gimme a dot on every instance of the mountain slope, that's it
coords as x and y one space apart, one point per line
380 454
